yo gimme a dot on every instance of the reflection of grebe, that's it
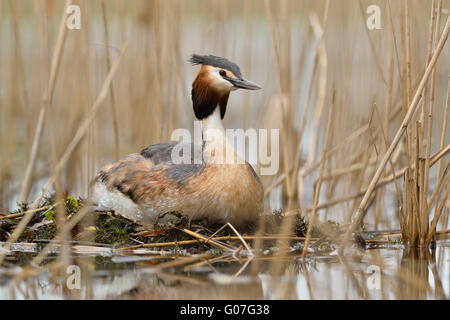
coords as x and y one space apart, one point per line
147 185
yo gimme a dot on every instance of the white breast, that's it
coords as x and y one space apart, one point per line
114 199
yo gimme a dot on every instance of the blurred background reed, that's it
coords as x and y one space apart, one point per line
366 78
337 91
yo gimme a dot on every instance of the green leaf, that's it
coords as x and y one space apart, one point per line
72 202
50 215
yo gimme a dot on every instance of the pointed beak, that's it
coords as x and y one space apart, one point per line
244 84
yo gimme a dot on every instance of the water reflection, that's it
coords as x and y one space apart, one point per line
418 275
382 273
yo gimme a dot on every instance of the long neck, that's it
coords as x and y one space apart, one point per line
212 127
216 148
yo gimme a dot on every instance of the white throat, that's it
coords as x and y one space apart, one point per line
216 148
212 127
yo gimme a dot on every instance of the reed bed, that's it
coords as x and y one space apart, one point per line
362 114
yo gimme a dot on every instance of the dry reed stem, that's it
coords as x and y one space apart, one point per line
242 239
18 53
408 50
409 131
440 182
438 213
411 110
159 73
444 124
387 110
20 214
384 234
400 173
372 45
308 98
385 144
204 239
217 231
429 52
81 132
247 59
257 245
48 94
349 169
359 180
322 85
439 155
111 90
303 123
221 238
312 219
395 47
423 209
60 219
390 81
284 136
67 227
78 249
46 101
307 170
442 139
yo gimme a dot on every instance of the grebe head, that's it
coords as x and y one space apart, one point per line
213 84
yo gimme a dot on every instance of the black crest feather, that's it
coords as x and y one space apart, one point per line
218 62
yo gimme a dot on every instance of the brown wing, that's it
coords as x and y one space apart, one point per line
148 175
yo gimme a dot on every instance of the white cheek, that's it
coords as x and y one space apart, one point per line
221 84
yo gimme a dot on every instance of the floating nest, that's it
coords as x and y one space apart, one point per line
193 237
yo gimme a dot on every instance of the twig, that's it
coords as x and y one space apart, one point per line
222 238
19 214
241 238
206 240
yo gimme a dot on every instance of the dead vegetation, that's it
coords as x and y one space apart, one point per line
363 119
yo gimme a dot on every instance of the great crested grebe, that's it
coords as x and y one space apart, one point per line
145 186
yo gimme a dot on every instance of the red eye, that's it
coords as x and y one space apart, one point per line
222 73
